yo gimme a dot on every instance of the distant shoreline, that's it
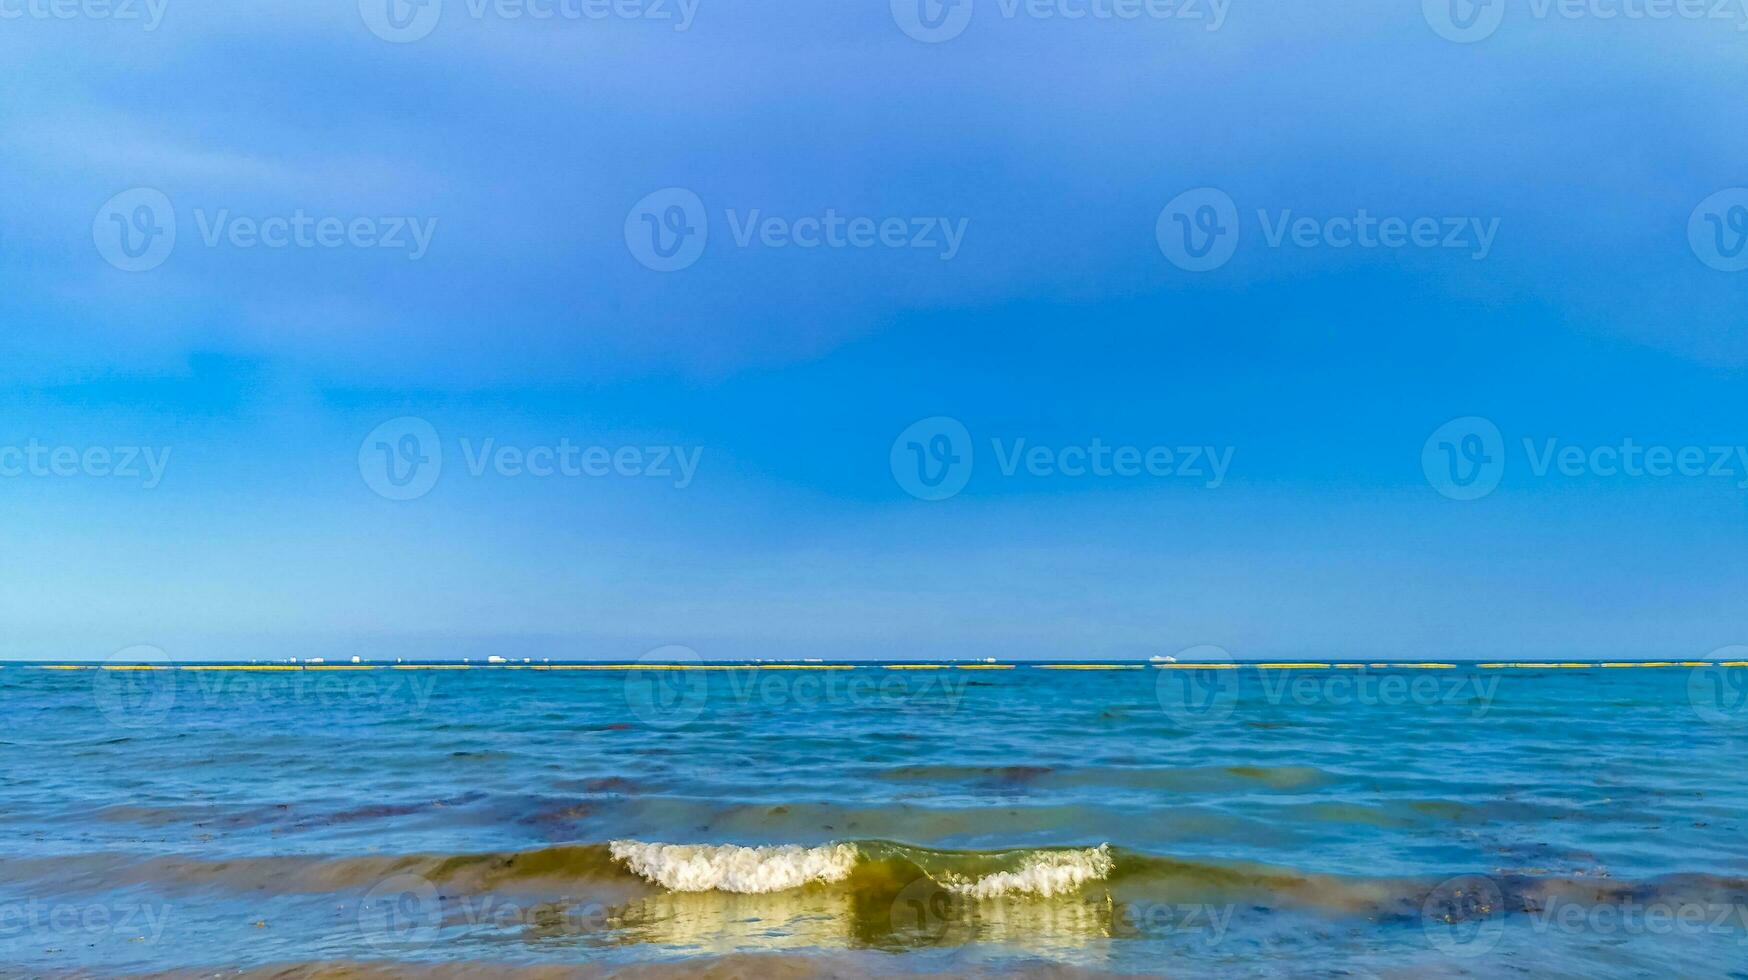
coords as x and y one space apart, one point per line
620 665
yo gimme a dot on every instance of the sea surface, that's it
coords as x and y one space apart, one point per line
809 819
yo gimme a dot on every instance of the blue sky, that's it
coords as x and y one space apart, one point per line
1588 145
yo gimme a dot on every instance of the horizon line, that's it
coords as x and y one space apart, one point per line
498 663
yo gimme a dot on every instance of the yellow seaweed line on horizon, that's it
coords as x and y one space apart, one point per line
1212 665
692 666
636 667
1544 666
241 667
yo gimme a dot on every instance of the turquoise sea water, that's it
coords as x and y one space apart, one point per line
1363 821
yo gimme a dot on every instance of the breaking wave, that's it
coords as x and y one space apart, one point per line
870 873
1042 872
734 868
865 866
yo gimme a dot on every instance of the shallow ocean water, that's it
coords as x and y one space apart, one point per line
1363 821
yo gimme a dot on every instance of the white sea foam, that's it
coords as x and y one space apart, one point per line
776 868
731 868
1044 874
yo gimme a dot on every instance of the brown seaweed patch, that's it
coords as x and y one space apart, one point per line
740 966
1282 777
